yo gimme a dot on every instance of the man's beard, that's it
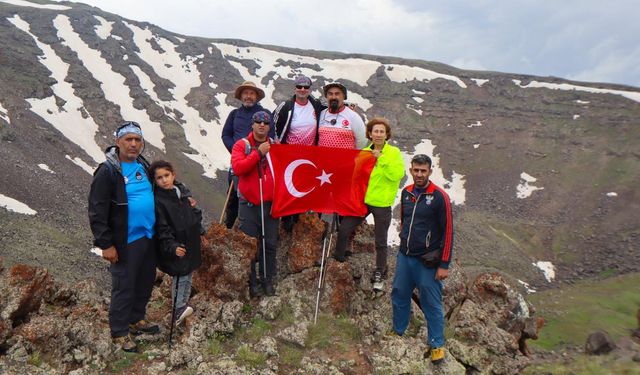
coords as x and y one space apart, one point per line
334 105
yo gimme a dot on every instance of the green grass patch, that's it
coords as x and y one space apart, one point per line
125 361
586 365
291 355
330 330
35 359
247 357
257 329
215 346
573 312
286 315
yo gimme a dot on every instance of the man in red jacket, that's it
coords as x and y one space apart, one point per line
255 190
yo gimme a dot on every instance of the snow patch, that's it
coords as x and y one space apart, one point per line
45 167
418 92
354 69
103 31
547 269
203 136
403 73
575 117
475 124
633 95
417 99
16 206
476 145
4 114
418 111
479 81
612 194
112 83
524 188
80 163
23 3
582 101
526 287
67 119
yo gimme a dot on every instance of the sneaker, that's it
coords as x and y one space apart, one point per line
269 290
183 313
143 326
437 355
378 284
126 343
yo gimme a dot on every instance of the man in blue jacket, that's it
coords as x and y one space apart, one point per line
236 127
426 242
122 219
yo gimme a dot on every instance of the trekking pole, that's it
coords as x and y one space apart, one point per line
333 228
264 251
315 315
325 251
173 310
226 202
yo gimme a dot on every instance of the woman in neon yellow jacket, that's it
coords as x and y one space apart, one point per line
381 193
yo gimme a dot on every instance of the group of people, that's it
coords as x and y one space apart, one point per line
127 213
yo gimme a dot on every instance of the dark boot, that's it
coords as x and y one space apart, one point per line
254 289
269 290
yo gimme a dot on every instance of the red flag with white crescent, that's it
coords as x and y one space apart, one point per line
321 179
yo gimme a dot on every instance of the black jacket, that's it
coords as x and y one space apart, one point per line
177 224
108 206
283 115
426 222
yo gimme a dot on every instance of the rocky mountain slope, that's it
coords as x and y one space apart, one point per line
50 328
543 171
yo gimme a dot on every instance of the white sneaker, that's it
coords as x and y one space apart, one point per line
183 314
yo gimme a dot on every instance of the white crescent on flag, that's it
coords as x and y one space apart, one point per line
288 177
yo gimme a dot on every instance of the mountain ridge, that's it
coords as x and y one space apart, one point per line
487 128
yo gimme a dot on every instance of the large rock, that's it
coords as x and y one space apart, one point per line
491 326
599 342
302 248
226 261
24 291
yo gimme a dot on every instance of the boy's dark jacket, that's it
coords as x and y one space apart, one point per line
177 224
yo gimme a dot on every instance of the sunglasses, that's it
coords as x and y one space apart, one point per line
300 87
262 122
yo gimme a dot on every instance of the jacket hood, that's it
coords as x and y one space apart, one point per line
111 154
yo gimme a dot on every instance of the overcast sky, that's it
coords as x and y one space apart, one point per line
585 40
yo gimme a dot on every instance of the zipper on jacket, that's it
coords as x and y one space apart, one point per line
411 223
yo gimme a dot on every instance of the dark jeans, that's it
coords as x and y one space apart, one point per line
232 206
382 220
251 225
132 280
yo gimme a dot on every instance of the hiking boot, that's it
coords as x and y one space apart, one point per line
437 355
254 291
126 343
339 258
183 313
378 284
143 326
348 253
269 290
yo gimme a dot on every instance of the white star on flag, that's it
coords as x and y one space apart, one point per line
324 177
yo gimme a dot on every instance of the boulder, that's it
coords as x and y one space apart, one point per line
226 261
599 342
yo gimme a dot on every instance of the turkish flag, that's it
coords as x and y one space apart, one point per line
321 179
